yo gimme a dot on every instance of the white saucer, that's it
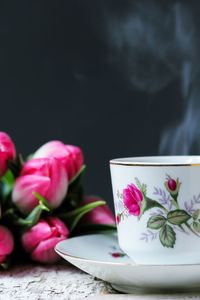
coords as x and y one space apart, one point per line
100 256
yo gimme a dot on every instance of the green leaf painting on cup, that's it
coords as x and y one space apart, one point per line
156 222
167 236
178 217
167 217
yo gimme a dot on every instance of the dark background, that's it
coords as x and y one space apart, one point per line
63 77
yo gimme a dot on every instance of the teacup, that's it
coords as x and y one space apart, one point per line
157 206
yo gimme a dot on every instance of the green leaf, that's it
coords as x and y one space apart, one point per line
138 183
167 236
77 178
41 200
4 266
8 178
74 216
12 218
86 207
196 226
75 192
148 203
156 222
35 214
8 181
32 218
144 189
195 215
23 222
141 186
178 217
74 197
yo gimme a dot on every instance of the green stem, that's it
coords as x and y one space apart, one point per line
182 228
175 203
163 208
190 228
82 209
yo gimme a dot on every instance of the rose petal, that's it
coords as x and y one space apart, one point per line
132 198
3 163
62 230
45 252
70 156
39 166
76 157
2 258
58 185
35 235
23 191
6 241
7 151
99 215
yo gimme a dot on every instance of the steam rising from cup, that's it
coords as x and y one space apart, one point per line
152 44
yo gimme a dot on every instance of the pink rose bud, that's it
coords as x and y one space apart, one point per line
7 151
6 243
41 239
118 219
99 215
172 184
45 176
70 156
132 198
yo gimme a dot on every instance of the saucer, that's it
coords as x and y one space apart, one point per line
100 256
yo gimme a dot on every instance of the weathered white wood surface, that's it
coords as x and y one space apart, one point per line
61 281
64 282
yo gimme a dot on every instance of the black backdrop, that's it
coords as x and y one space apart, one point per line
58 81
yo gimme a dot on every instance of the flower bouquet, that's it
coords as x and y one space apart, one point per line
42 201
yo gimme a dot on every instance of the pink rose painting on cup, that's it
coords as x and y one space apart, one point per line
132 199
42 201
166 217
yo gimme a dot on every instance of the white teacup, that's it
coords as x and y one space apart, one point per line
157 206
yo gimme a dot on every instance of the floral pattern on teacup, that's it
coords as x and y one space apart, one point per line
116 252
132 198
166 215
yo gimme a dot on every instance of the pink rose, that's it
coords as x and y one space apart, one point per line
7 151
45 176
6 243
132 198
70 156
99 215
41 239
